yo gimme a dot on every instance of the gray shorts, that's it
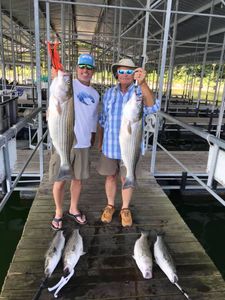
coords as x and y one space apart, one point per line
79 158
109 166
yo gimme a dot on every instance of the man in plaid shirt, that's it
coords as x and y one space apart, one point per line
110 120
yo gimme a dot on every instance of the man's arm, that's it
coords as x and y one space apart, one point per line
100 137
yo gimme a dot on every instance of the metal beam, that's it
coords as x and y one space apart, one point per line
135 8
161 79
187 17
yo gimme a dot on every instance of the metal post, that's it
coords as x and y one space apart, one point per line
63 34
163 63
171 66
208 85
38 77
48 39
187 85
5 148
220 120
145 33
114 34
218 75
70 44
2 50
160 55
205 56
49 64
12 42
119 32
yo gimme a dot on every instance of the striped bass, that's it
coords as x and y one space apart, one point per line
143 256
130 137
61 121
165 261
54 253
72 252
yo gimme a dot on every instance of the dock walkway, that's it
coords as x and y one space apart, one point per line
107 271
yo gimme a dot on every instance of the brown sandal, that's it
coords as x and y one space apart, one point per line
126 217
108 213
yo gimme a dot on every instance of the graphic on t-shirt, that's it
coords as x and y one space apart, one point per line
85 98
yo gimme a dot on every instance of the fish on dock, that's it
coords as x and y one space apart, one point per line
71 255
52 258
54 253
73 251
143 256
166 263
60 118
130 137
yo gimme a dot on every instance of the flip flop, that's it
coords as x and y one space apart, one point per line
56 220
76 216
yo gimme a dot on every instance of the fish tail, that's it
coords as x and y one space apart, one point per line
65 172
144 233
129 183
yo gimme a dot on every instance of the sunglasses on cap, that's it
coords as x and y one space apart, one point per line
121 72
88 67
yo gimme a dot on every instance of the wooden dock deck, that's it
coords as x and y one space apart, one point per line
195 160
107 271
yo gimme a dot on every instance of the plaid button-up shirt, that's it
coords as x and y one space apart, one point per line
111 114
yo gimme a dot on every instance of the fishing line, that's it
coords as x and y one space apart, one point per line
182 291
41 287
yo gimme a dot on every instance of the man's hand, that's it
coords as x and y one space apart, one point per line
139 75
93 134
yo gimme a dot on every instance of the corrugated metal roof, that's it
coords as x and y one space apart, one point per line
86 25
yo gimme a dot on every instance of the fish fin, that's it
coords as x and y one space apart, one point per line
83 253
65 172
129 128
58 108
175 279
129 182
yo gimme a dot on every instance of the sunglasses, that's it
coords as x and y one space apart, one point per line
88 67
121 72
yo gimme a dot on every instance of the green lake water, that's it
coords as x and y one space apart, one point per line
12 220
205 216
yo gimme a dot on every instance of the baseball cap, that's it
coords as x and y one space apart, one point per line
86 59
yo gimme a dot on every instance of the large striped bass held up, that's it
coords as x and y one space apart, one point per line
130 137
61 121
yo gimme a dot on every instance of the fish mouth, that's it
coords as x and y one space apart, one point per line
148 275
66 271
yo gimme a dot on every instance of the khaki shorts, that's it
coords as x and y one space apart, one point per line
79 159
109 166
